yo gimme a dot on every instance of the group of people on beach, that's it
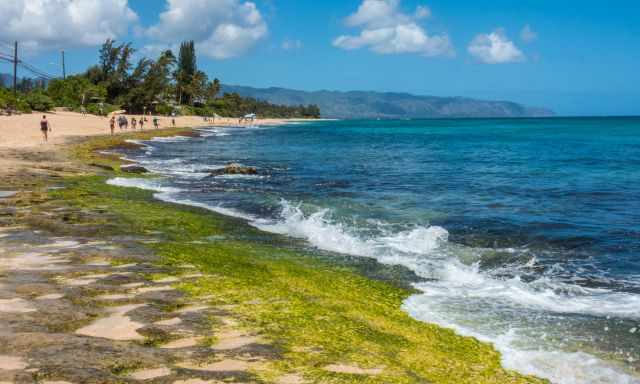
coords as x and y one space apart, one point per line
123 123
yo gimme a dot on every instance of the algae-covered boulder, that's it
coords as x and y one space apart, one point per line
234 169
106 167
133 168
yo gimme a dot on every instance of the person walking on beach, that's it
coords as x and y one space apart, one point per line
142 119
133 123
45 128
112 124
155 122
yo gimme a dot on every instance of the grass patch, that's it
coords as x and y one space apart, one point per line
123 368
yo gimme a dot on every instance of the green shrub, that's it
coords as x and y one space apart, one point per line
94 109
73 90
164 109
23 106
202 111
38 101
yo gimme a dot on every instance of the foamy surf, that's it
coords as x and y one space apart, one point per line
146 184
169 139
170 195
170 198
427 252
176 167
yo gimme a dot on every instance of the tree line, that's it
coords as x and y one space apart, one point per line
168 84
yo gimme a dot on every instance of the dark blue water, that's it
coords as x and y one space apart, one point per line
526 232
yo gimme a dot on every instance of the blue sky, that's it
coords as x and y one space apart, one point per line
576 57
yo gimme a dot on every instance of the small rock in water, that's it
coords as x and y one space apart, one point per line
234 169
133 168
102 166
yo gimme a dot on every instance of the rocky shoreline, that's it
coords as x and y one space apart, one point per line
102 284
76 307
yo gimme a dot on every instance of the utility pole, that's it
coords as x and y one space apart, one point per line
64 72
15 69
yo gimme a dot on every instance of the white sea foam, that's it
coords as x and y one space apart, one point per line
170 198
208 132
170 139
557 366
147 184
427 252
168 194
176 167
317 230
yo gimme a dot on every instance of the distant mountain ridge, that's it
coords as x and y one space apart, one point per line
388 105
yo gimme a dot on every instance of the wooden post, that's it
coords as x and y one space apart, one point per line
64 71
15 69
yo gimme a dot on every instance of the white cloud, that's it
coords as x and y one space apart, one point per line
385 29
54 24
495 48
291 44
220 28
527 34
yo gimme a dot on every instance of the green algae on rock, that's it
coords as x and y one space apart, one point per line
314 313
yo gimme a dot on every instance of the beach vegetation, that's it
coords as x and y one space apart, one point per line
17 103
38 100
164 85
74 91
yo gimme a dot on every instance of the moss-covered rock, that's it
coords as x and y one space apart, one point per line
316 312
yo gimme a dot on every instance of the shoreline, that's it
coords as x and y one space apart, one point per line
23 131
425 350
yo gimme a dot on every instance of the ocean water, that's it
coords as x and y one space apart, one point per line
524 232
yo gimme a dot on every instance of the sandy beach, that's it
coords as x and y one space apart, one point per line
23 131
21 142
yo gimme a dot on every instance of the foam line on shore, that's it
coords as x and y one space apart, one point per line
427 251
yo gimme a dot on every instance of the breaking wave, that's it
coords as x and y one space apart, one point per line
450 277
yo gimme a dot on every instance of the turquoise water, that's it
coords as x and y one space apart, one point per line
525 232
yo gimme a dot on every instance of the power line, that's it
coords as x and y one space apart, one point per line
15 69
35 70
26 66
